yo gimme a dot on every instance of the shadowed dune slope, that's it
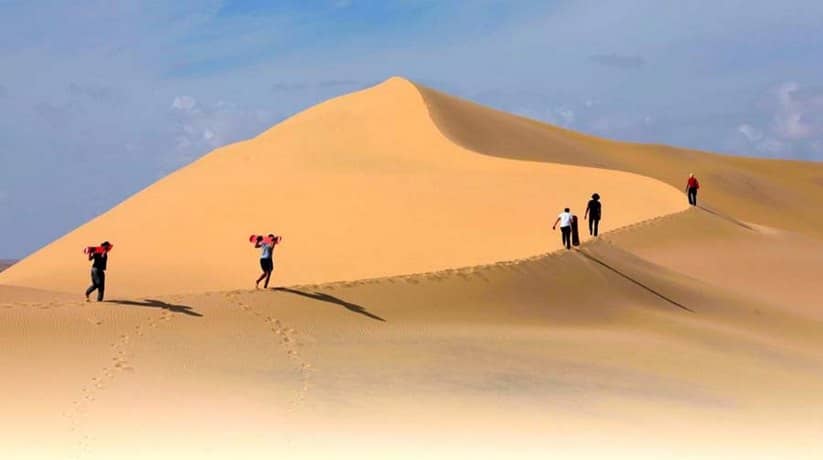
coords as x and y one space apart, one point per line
364 185
779 193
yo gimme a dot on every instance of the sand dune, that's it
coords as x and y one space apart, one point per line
779 193
361 186
680 334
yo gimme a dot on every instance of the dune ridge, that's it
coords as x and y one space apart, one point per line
778 193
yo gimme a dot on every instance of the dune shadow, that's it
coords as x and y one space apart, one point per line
725 217
638 283
153 303
352 307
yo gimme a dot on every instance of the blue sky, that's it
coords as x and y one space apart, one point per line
99 99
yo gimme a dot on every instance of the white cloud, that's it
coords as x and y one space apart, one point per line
566 115
184 103
774 147
799 113
750 132
199 127
796 122
761 143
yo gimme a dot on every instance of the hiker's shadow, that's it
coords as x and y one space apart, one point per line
726 217
153 303
633 280
352 307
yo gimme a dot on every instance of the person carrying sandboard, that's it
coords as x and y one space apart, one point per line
565 221
100 256
266 245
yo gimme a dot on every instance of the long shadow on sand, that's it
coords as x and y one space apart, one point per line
332 299
153 303
724 216
623 275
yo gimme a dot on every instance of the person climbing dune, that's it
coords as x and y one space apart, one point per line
593 213
100 256
565 221
266 257
691 188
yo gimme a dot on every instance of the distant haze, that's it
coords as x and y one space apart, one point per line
99 100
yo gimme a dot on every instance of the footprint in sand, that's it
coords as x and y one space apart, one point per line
288 342
120 363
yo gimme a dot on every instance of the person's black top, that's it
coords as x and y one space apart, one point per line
594 209
100 261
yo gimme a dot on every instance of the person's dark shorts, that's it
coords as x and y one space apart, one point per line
267 264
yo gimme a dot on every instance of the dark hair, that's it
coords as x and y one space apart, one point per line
271 235
566 210
596 196
259 238
105 244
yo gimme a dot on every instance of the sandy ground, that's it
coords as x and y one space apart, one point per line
622 348
688 335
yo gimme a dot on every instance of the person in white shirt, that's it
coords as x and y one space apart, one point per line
267 245
565 221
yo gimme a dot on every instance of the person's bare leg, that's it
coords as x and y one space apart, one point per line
268 277
257 283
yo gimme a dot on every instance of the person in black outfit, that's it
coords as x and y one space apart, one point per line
593 213
98 271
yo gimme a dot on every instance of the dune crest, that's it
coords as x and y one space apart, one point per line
777 193
364 185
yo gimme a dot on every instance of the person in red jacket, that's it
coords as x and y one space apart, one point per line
691 188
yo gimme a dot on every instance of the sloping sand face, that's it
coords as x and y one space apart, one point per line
777 193
361 186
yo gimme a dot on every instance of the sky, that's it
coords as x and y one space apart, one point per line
98 99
